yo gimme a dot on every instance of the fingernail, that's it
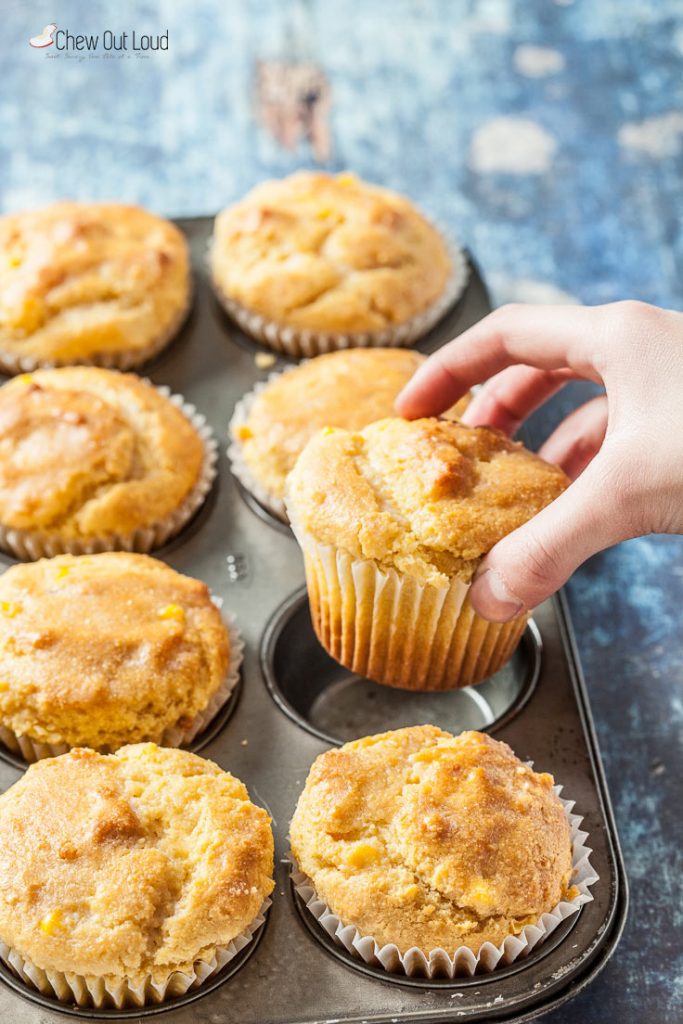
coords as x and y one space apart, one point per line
491 597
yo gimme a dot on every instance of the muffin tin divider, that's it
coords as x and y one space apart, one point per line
291 977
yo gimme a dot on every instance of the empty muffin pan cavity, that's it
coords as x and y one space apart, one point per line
327 700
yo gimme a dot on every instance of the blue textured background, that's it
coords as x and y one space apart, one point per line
581 199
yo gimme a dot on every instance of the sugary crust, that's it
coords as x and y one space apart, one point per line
129 864
87 452
349 389
328 253
104 650
427 497
423 839
79 280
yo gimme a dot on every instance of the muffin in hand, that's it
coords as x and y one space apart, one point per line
393 521
436 848
99 283
105 650
129 878
272 423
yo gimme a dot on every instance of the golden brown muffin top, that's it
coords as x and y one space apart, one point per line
103 650
350 388
86 452
79 279
420 838
329 253
129 864
428 497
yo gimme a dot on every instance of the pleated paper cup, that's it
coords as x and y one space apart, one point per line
178 735
91 991
29 545
296 343
12 363
462 962
182 736
238 465
390 628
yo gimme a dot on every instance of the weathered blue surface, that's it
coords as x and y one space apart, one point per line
584 196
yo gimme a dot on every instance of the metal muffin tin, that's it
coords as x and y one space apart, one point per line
294 701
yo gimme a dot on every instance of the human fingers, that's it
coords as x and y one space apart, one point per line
507 399
578 438
531 563
547 337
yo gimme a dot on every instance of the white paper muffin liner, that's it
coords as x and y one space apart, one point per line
176 737
439 963
29 545
240 469
99 992
173 736
388 627
297 343
12 363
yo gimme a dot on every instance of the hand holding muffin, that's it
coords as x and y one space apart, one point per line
393 521
350 389
625 448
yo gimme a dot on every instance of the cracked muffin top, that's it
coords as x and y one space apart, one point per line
129 864
328 253
80 280
428 497
103 650
87 452
428 840
350 388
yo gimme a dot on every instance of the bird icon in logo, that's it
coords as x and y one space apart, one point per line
44 39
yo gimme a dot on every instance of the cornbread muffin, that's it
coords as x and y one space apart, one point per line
95 457
348 389
393 521
129 867
423 839
89 282
330 256
104 650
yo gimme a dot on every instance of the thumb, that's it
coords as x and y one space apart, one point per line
531 563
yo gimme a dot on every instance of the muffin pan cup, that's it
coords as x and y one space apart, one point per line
296 974
271 504
21 750
12 363
296 344
85 991
440 963
29 545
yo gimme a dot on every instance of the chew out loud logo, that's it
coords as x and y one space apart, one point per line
108 41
